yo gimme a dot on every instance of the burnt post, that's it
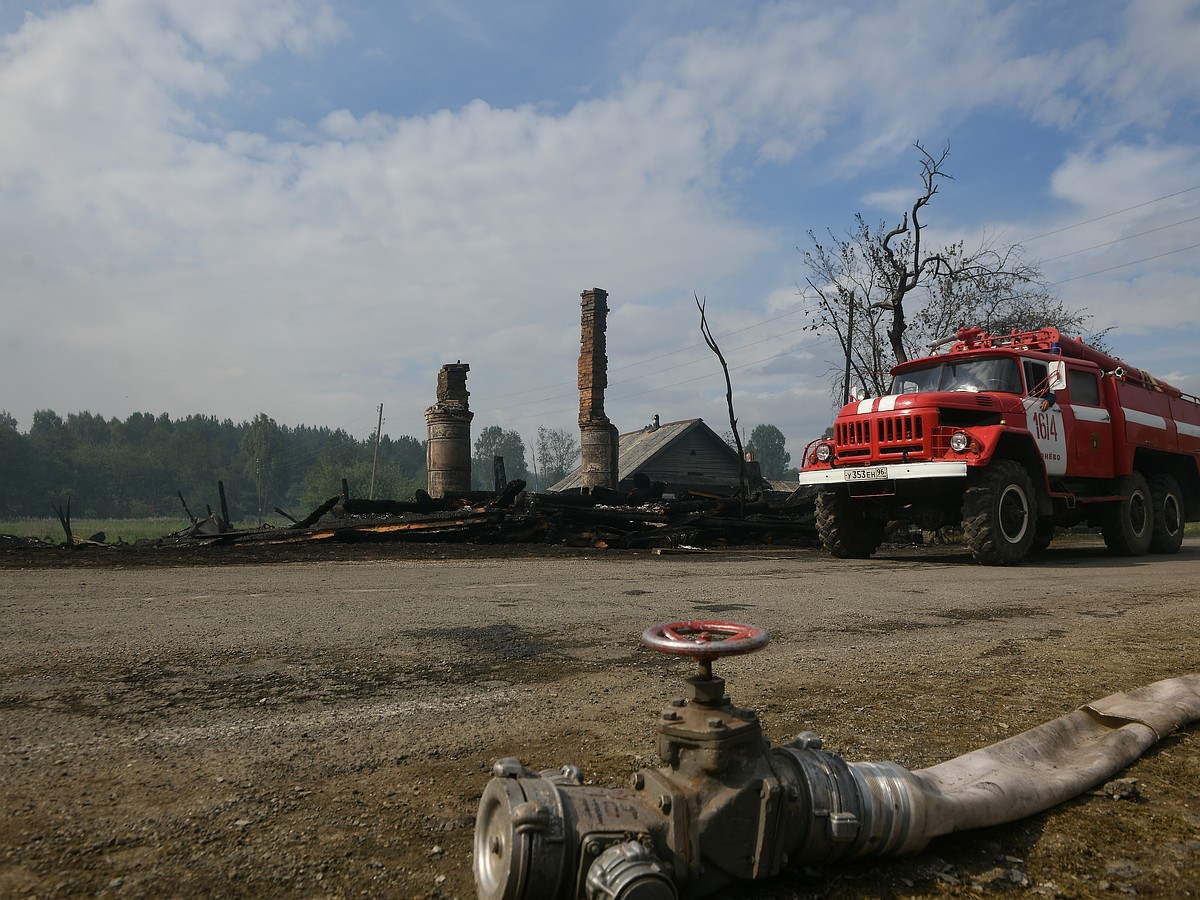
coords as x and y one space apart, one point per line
598 439
448 450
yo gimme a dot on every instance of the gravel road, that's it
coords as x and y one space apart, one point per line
231 725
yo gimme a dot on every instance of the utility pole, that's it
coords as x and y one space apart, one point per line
537 486
849 350
375 458
258 479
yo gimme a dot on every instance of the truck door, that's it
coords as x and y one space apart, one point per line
1042 387
1090 434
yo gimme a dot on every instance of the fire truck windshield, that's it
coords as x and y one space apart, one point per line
995 374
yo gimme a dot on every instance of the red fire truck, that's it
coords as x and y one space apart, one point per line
1012 435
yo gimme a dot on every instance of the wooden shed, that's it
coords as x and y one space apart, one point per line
684 455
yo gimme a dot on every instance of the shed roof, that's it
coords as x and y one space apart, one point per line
638 448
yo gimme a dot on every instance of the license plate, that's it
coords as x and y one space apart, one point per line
879 473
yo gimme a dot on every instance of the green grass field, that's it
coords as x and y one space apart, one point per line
127 530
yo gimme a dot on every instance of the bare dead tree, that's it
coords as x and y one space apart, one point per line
712 345
845 285
1000 292
863 284
903 264
64 519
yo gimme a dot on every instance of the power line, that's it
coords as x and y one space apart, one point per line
662 356
655 358
1110 215
1126 238
1125 265
645 375
662 387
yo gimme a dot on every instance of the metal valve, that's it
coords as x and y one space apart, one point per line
726 806
546 834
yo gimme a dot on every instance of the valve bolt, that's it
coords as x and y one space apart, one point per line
664 803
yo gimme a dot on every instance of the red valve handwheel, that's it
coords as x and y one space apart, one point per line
705 640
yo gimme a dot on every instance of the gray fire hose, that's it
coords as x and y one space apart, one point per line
728 807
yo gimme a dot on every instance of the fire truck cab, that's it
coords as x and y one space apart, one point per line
1012 435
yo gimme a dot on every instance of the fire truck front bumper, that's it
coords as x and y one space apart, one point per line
866 475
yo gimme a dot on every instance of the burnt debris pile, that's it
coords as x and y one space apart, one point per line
595 517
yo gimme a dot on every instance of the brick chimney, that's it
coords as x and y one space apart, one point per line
448 450
598 439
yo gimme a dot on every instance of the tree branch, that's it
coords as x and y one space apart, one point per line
712 345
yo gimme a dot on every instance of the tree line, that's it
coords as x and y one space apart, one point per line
147 466
139 467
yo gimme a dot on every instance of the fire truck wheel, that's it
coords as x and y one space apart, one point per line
1129 525
848 528
999 518
1166 505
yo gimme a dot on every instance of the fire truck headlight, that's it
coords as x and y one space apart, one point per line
824 452
960 441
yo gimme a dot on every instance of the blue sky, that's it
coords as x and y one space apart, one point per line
306 208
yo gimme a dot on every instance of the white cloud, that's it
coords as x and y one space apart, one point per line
1099 178
243 32
1143 280
250 272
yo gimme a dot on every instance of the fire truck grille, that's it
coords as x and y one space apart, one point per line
880 436
899 434
853 438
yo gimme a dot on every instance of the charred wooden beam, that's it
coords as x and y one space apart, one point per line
191 518
421 504
64 519
224 505
506 496
315 516
617 517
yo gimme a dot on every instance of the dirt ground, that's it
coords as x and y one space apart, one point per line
321 722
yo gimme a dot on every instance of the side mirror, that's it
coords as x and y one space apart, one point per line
1058 376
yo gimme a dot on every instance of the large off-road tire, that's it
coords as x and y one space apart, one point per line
1129 525
1000 514
1167 513
849 528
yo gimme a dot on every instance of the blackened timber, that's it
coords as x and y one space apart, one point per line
224 505
315 516
517 515
64 519
440 528
422 503
191 518
506 496
619 517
